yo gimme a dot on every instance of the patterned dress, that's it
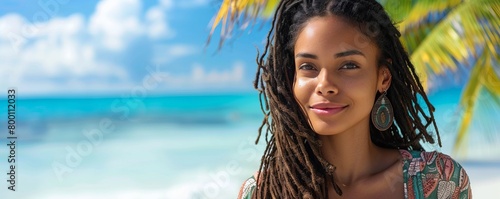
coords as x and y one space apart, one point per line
425 175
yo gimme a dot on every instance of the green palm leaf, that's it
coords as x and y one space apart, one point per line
457 38
239 12
416 19
469 30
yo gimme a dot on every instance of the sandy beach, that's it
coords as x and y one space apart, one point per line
485 178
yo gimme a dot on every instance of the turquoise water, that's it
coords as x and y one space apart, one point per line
191 146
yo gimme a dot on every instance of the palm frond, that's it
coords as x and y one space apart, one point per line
234 13
467 103
467 30
490 80
397 9
417 18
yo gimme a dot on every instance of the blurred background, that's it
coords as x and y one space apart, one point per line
125 98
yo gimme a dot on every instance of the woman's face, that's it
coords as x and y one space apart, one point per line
337 76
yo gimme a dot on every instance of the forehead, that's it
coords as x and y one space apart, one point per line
335 33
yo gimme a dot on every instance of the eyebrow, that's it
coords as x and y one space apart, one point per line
348 53
306 55
338 55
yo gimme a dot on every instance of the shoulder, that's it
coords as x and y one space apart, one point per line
440 174
247 188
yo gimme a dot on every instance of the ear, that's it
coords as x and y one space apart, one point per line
384 78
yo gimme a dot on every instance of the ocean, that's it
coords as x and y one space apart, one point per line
176 146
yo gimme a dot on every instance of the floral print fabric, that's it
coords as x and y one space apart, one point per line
433 175
247 188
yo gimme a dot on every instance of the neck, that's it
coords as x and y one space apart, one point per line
353 154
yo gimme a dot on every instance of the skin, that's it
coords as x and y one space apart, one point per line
337 78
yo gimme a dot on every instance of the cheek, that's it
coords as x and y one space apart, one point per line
362 90
301 90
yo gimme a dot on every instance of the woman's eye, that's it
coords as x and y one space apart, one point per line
349 65
306 67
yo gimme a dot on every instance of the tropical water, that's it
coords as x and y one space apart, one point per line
179 146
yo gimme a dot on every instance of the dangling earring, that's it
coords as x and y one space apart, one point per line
382 113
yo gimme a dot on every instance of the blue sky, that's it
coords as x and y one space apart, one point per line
110 47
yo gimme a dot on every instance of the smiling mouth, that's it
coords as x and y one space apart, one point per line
327 110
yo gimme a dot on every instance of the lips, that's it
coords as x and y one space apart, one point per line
327 108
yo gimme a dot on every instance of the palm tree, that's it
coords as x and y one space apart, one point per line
443 38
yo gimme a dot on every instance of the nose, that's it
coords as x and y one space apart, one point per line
326 85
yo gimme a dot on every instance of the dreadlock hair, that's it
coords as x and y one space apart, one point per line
292 165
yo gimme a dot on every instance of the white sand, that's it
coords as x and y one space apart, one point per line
484 178
486 189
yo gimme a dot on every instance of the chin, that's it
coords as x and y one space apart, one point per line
326 129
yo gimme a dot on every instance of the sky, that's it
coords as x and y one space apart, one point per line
111 47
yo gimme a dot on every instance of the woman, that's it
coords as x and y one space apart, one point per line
346 113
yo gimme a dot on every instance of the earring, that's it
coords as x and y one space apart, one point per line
382 113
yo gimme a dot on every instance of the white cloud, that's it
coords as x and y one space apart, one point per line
166 4
77 86
55 57
10 23
116 22
155 18
14 31
199 77
156 22
71 54
166 53
68 54
169 4
181 50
